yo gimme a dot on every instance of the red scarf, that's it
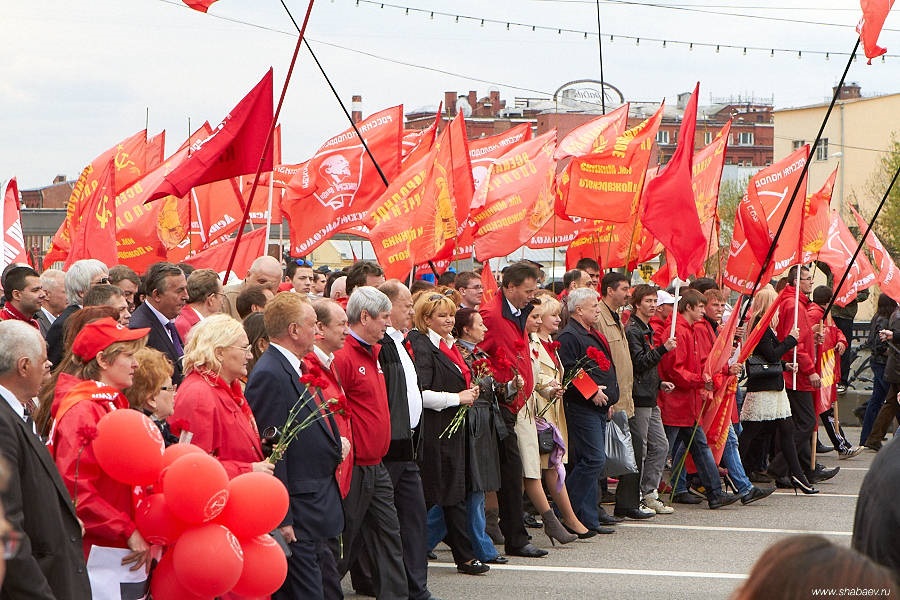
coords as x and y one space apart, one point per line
455 355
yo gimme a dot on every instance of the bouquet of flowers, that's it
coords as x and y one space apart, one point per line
593 355
481 370
315 382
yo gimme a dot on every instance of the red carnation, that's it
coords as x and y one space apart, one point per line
177 426
554 346
598 357
86 434
502 367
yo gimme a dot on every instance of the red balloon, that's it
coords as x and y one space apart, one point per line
156 522
176 451
208 560
196 487
164 585
265 567
129 447
257 503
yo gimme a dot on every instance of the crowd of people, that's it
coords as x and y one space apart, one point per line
436 413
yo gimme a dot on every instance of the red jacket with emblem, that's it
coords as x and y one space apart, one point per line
220 419
684 368
363 382
103 504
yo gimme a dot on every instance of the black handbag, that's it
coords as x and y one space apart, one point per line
757 367
545 441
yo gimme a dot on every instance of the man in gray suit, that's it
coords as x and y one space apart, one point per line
50 563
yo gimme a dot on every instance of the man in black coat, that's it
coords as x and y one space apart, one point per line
315 515
79 278
165 289
50 563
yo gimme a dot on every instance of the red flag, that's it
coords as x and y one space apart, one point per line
234 147
200 5
609 182
837 252
888 277
558 231
489 283
610 244
874 13
95 236
13 239
515 198
88 183
705 178
817 219
595 135
253 245
417 218
484 151
334 189
419 142
670 213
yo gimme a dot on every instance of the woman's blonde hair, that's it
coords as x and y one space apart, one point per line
92 369
762 301
217 331
429 303
153 369
548 306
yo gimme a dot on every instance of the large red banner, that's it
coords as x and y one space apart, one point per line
14 250
594 136
888 277
836 253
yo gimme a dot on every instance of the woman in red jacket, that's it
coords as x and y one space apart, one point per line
210 403
104 352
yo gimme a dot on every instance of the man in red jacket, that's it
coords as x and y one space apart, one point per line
369 512
800 394
505 316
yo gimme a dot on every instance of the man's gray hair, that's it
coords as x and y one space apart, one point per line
53 277
18 339
78 278
579 295
369 299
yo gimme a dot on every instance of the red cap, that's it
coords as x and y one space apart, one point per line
100 334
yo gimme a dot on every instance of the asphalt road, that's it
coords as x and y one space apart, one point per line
693 553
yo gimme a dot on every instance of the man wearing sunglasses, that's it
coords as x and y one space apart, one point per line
300 273
49 561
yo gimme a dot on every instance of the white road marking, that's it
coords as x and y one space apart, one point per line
604 571
730 529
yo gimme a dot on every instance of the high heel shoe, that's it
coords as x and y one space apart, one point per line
555 530
803 484
581 536
729 483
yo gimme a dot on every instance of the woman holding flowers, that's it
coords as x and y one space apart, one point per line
446 383
550 416
210 404
104 353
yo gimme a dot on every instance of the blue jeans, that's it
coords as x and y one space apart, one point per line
587 458
731 459
879 393
481 543
703 458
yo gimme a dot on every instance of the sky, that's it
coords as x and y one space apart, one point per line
77 77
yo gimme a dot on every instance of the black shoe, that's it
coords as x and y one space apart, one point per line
608 519
635 513
822 448
497 560
532 522
723 499
587 534
799 481
686 498
527 551
431 555
822 474
473 567
759 477
783 483
756 494
604 530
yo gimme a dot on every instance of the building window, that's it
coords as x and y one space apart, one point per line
822 149
707 138
745 138
797 144
662 137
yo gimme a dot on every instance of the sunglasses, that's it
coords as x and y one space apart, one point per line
435 297
103 281
302 262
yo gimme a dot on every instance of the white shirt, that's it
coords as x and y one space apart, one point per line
439 400
413 395
48 314
14 404
162 319
515 311
325 359
292 358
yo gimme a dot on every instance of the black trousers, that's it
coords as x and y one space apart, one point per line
846 327
410 503
312 572
628 490
509 496
752 431
803 414
456 519
370 518
837 436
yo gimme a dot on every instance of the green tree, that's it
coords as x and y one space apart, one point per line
887 225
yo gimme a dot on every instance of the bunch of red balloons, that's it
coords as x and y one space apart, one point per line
215 531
